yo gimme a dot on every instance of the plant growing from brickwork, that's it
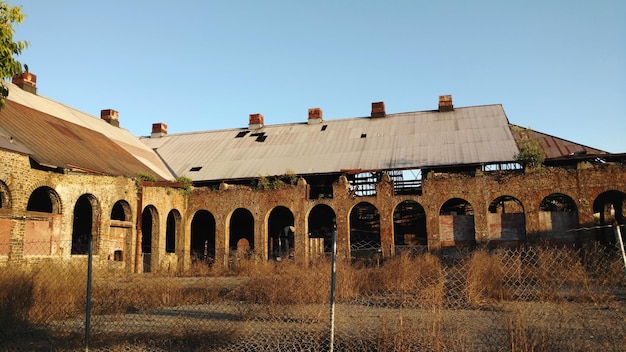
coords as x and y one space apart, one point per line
187 185
269 182
143 177
9 66
291 176
531 154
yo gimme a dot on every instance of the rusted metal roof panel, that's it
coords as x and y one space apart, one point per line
56 135
468 135
555 147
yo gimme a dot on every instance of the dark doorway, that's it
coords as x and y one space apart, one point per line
608 208
409 226
281 233
364 231
241 234
203 237
321 225
149 230
83 224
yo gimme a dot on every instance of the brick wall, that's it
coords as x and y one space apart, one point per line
19 181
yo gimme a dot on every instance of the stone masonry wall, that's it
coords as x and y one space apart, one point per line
17 225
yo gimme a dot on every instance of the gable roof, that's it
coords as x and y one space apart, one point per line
59 136
467 135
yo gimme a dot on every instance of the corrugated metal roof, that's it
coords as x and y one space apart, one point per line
469 135
56 135
555 147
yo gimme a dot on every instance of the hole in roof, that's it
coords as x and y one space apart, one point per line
241 134
261 138
363 135
324 127
257 134
195 168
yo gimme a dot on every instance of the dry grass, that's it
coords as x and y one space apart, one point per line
534 300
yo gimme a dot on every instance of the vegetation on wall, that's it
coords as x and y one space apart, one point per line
9 66
187 185
143 177
276 182
531 154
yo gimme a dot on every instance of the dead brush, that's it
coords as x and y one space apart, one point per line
404 281
562 276
284 290
16 296
485 280
58 291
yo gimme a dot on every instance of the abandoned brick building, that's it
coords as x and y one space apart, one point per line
429 180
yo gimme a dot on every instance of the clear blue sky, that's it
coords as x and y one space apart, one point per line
558 67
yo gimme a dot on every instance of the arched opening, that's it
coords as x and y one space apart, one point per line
409 226
456 223
364 231
203 237
321 225
121 211
608 208
172 230
5 196
558 215
85 224
5 222
281 233
44 199
241 231
149 231
120 231
43 236
506 221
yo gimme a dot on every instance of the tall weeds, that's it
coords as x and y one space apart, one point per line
501 300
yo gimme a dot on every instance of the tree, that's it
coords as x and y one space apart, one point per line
531 155
9 48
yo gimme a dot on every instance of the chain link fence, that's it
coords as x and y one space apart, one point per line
532 298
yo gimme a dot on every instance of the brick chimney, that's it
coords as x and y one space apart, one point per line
315 116
158 130
256 121
378 109
445 103
27 81
111 116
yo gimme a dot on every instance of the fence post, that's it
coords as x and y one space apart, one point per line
618 234
88 296
333 276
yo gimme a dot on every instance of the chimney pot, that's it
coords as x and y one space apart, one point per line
445 103
378 109
27 81
315 116
158 130
111 116
256 121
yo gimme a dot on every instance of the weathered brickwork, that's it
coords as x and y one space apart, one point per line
30 230
156 210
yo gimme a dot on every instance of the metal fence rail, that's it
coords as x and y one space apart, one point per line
520 299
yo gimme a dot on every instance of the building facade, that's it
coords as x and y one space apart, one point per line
431 180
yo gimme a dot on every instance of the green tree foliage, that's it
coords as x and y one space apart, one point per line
531 155
9 49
